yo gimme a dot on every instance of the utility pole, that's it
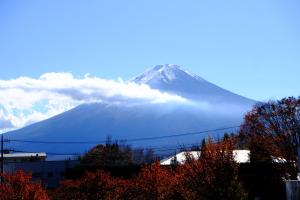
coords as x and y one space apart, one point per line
2 159
298 160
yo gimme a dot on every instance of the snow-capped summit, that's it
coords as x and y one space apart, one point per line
171 78
164 73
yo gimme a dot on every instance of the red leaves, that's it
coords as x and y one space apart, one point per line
213 176
19 186
93 185
155 182
273 130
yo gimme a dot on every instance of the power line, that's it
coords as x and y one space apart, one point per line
127 140
159 149
175 147
155 149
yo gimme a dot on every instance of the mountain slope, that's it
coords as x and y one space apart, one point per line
209 107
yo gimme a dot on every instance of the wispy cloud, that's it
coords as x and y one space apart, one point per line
27 100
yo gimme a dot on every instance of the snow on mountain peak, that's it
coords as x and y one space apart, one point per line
165 73
172 79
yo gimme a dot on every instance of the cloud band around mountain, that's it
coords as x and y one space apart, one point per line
27 100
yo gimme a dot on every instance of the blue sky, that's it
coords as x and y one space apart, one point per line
249 47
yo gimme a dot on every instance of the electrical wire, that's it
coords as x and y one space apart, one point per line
127 140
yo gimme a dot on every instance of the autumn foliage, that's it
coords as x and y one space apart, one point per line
93 185
273 130
153 182
156 182
213 176
18 186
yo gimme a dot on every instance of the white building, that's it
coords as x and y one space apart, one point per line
240 156
21 157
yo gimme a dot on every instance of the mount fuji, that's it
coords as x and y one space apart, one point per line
170 78
209 107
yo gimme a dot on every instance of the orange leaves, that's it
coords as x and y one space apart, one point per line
153 182
156 182
273 130
19 186
214 175
93 185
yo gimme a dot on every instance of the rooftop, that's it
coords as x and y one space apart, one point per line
240 156
24 155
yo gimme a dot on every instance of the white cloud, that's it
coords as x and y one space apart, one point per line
27 100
